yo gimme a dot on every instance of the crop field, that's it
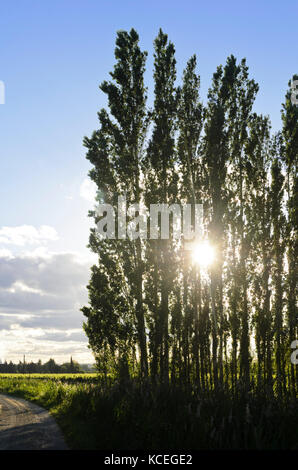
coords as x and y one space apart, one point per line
63 378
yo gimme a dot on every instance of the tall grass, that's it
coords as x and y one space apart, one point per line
133 415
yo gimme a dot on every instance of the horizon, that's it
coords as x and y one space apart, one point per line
19 361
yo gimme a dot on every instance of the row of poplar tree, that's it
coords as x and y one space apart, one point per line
151 309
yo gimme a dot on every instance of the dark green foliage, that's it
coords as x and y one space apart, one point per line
49 367
129 415
152 312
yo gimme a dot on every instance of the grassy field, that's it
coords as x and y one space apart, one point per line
98 414
64 395
65 378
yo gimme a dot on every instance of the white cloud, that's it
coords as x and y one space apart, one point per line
44 281
4 253
20 286
41 294
27 235
37 343
88 190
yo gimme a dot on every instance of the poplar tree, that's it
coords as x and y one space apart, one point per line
290 157
259 221
243 93
278 251
161 187
190 124
152 310
116 152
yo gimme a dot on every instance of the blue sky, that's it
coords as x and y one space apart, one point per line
53 55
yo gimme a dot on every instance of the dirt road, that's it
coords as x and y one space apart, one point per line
26 426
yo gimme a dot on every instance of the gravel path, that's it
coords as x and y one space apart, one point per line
26 426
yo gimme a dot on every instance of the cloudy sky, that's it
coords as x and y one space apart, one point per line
42 288
53 55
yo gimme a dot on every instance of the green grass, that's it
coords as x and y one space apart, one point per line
69 378
62 394
131 415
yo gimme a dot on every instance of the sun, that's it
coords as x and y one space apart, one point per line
203 254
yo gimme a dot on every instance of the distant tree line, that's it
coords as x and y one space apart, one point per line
151 310
49 367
